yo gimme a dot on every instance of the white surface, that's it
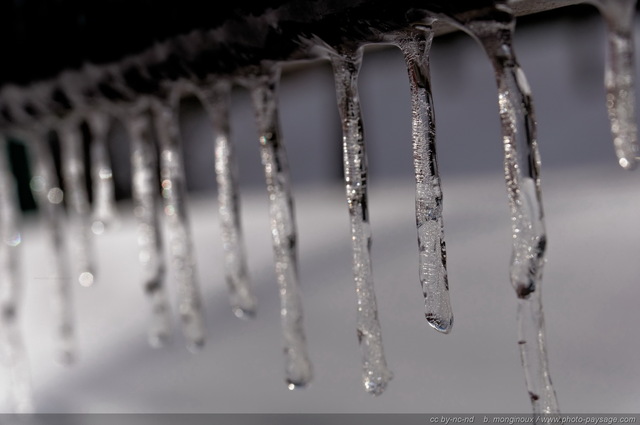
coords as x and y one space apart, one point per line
590 294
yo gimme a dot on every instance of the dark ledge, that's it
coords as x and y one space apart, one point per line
114 49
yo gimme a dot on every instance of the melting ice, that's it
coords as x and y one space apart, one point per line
147 204
216 101
181 253
346 66
415 45
521 169
283 228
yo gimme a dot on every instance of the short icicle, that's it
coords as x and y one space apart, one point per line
346 66
12 351
415 45
73 172
49 199
283 229
522 169
147 204
104 201
619 77
215 99
174 193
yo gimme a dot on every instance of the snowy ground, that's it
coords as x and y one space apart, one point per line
590 295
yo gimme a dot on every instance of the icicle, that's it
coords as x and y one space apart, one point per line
346 66
216 100
283 231
619 77
12 351
73 172
48 196
146 200
522 167
174 190
415 45
104 208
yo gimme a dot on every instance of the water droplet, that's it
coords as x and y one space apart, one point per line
97 227
346 66
55 195
37 184
86 279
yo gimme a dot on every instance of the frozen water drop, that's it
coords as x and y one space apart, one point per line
415 46
48 197
146 200
346 66
619 77
73 171
86 279
216 101
283 229
55 195
97 227
180 241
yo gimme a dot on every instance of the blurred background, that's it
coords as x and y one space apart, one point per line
590 293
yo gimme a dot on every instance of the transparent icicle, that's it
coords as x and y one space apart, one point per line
216 101
12 350
415 45
619 77
522 169
346 66
48 196
174 193
104 207
147 204
73 172
283 229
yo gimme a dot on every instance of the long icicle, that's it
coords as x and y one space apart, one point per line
174 193
73 172
619 77
283 229
49 199
104 207
522 169
346 66
147 204
216 101
12 351
415 45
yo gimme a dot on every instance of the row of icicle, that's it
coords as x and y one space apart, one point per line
148 116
